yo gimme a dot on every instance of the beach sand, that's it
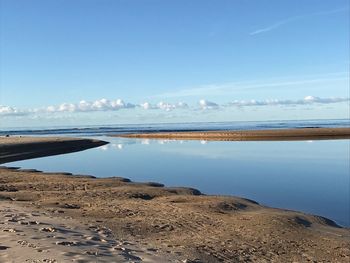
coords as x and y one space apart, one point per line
250 135
57 217
34 235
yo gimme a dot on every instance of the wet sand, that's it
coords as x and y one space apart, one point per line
53 217
250 135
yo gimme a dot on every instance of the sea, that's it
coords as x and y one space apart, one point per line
312 176
96 130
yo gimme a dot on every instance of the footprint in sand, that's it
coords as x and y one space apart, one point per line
45 260
8 215
67 243
28 222
3 247
10 230
95 238
91 253
48 229
26 243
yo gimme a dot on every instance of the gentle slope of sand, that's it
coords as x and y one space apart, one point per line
250 135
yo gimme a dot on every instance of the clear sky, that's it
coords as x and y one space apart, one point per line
76 62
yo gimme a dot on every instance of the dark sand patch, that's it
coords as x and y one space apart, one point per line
21 148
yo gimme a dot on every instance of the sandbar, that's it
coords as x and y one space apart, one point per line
249 135
16 148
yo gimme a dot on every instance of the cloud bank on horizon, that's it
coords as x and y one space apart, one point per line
119 104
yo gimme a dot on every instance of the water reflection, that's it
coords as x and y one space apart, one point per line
112 146
145 141
120 143
127 142
217 150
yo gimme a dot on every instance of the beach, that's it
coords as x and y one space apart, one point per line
174 131
55 217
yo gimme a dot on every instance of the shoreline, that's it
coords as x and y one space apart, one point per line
147 221
249 135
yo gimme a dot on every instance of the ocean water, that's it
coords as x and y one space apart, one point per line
309 176
156 127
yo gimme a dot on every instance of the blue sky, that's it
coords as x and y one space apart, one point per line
201 60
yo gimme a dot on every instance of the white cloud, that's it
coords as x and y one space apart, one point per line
168 106
274 102
164 106
6 109
147 106
85 106
312 99
10 111
205 104
67 107
114 105
51 109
